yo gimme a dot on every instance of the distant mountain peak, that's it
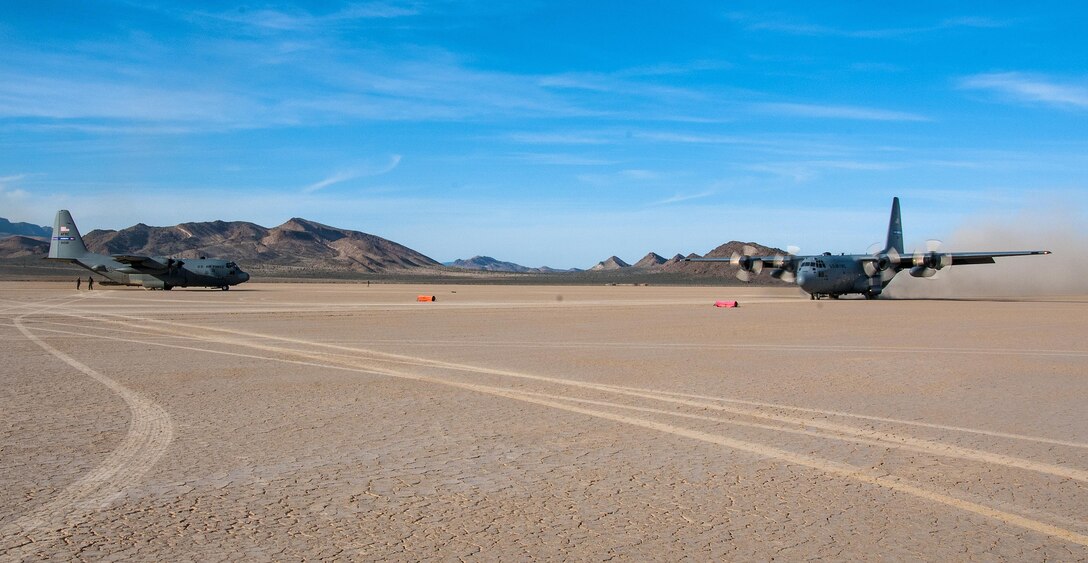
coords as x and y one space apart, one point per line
489 264
726 250
610 263
298 223
651 260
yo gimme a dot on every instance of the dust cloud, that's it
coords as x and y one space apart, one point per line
1065 272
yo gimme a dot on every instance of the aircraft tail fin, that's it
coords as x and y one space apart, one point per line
895 229
66 244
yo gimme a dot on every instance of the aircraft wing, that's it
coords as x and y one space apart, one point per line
967 258
144 264
961 258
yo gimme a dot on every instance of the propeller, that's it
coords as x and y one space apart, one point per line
927 264
881 268
882 265
785 265
748 265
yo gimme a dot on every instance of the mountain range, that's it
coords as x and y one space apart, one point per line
8 229
295 245
299 246
489 264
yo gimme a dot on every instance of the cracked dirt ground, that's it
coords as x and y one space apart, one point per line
302 421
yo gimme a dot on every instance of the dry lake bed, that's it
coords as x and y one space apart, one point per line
304 421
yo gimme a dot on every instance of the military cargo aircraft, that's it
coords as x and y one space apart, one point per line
149 272
828 275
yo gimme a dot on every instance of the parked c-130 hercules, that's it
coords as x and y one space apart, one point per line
827 275
146 271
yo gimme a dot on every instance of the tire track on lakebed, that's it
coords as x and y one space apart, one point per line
372 362
149 434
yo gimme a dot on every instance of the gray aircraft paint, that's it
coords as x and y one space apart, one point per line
150 272
828 275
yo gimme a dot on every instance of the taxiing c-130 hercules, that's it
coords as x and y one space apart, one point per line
146 271
827 275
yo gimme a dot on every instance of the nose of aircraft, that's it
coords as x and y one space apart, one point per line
243 276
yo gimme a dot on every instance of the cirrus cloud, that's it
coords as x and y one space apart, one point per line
1028 88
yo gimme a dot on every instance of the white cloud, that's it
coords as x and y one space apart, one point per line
805 171
5 180
343 176
560 159
301 20
783 24
838 112
69 96
15 202
684 197
1028 88
575 138
981 22
334 179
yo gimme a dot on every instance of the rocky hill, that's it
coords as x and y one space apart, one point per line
298 243
651 261
717 268
609 264
489 264
18 246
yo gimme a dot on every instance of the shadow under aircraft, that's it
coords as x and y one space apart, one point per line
146 271
828 275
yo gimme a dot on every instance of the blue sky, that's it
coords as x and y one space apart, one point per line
548 133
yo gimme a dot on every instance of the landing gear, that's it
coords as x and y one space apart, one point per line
225 288
818 296
167 287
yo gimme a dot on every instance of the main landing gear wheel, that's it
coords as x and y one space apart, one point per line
225 288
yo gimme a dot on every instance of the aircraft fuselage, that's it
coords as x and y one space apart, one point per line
833 275
196 272
199 272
